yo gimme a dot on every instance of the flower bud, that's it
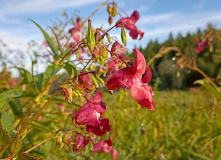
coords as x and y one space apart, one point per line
79 143
59 141
100 80
78 53
68 94
108 37
110 20
68 139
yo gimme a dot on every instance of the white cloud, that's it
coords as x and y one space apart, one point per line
40 6
161 25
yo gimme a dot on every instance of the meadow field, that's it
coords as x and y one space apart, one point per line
182 126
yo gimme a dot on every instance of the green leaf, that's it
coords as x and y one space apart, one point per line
4 137
68 67
49 41
7 96
7 121
28 79
50 71
90 37
16 107
16 145
39 81
209 87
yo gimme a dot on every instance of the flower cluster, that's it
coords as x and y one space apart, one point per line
91 115
135 78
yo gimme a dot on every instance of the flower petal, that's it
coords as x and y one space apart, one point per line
147 76
139 66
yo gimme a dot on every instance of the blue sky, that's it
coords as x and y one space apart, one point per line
157 17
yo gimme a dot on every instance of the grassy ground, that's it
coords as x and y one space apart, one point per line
181 127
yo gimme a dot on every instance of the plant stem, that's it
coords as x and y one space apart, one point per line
95 11
42 141
42 108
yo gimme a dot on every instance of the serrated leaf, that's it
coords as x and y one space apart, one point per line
25 156
16 107
68 67
4 137
50 71
209 87
7 121
49 41
16 145
28 79
7 96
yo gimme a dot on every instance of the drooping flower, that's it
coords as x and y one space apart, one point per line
90 113
117 48
85 82
106 146
201 45
135 79
79 143
129 23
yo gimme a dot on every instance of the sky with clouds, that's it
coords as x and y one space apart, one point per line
157 17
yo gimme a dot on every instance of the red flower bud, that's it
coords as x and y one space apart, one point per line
79 143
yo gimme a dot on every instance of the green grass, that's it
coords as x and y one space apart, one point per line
181 127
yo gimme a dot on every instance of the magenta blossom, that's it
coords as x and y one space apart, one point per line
85 82
90 113
129 23
79 143
106 146
112 66
201 45
117 48
136 79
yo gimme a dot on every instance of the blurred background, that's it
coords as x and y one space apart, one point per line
186 121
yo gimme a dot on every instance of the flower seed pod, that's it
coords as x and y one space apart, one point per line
109 9
123 35
90 36
114 11
110 20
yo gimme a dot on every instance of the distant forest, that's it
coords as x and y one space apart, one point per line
166 69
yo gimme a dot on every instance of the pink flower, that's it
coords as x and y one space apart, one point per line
106 146
112 66
14 82
79 143
129 23
45 43
59 105
85 82
201 45
117 48
136 79
90 113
